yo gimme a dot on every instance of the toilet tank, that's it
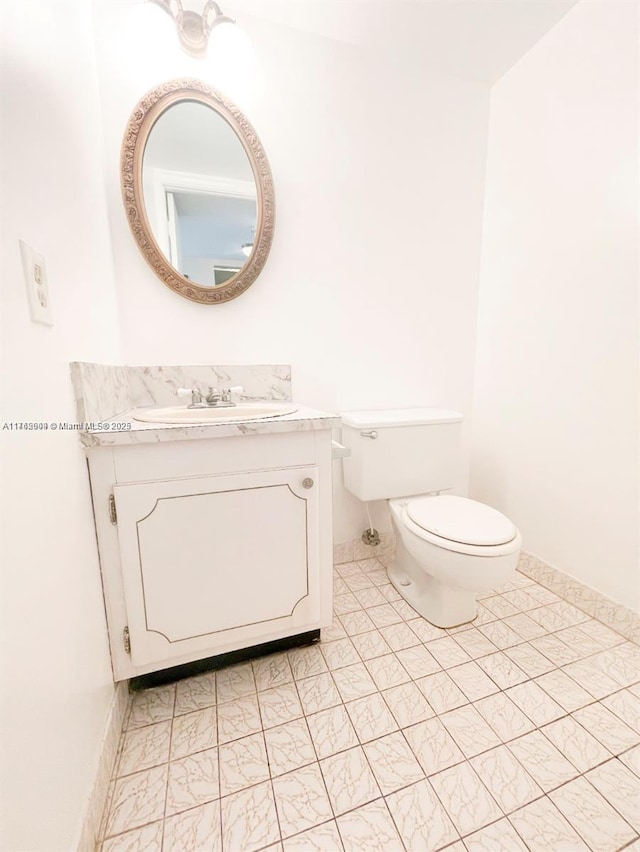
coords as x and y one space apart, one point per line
397 453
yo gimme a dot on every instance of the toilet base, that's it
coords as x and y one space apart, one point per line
442 606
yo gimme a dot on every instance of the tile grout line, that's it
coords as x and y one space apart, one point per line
427 776
413 680
567 714
166 789
313 745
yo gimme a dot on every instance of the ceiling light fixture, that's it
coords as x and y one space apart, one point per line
194 29
246 249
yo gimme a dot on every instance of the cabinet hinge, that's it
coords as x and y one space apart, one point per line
126 640
113 515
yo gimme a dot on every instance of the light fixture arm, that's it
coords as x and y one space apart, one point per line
194 29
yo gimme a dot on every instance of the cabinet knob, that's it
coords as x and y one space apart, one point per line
307 482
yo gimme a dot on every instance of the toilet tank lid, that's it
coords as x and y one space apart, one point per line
399 417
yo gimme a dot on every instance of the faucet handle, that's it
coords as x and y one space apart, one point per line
194 393
226 392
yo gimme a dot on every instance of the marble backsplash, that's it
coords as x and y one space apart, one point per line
103 391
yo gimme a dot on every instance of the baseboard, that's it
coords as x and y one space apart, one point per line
355 550
616 616
620 618
96 803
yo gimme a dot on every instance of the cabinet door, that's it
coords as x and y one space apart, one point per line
219 562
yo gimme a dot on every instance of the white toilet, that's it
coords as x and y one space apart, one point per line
447 548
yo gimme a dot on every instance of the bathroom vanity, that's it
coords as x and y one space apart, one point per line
212 538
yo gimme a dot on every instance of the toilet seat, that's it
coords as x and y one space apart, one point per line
458 524
461 520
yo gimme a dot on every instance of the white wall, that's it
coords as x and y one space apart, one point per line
56 676
370 293
366 293
370 288
555 426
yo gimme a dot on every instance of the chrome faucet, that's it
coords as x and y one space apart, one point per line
214 399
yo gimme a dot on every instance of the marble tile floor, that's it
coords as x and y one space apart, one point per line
518 731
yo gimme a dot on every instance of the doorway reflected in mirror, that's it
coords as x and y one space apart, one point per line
198 191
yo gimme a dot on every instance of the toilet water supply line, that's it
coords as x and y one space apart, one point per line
370 536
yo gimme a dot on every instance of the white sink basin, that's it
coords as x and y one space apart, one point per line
242 411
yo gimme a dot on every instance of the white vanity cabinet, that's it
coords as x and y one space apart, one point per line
212 545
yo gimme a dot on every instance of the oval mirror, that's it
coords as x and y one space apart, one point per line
198 191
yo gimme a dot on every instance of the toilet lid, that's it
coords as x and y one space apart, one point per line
462 520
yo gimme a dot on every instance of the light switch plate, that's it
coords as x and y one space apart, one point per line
35 275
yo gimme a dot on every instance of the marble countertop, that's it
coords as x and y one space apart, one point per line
123 429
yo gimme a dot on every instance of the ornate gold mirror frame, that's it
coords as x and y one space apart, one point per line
140 124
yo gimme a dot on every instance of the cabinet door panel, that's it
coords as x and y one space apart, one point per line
205 558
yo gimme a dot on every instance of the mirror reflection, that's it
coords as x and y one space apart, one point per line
200 193
197 191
